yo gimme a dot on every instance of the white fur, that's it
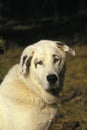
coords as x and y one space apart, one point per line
25 103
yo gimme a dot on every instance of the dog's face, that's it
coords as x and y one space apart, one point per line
44 64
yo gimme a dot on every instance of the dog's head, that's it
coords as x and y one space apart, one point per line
43 64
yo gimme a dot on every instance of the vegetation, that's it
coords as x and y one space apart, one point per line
72 104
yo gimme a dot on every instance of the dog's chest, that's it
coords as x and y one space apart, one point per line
34 118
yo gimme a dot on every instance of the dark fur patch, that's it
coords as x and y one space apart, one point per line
60 44
28 63
61 77
24 58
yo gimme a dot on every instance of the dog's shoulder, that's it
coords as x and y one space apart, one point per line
11 75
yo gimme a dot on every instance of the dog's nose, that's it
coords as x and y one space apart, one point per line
52 78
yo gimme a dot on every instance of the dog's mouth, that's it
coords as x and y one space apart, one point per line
53 89
54 92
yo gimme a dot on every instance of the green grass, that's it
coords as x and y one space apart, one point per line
73 99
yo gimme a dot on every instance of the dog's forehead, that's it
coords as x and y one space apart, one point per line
45 47
46 43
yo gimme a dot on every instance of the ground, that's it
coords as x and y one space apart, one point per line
72 104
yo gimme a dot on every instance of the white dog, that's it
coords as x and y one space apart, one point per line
29 92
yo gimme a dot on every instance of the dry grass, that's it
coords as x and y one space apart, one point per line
73 100
7 60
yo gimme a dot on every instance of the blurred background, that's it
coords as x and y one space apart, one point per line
31 20
23 22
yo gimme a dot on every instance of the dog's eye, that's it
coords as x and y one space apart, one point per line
56 60
39 62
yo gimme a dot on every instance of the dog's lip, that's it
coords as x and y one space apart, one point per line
53 86
53 90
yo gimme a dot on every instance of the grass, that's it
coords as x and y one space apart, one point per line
7 60
73 100
73 106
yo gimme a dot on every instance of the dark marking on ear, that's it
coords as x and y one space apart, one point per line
25 65
59 44
24 58
65 48
61 77
28 62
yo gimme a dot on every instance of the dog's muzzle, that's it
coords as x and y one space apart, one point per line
53 87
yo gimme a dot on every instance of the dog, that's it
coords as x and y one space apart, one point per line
29 91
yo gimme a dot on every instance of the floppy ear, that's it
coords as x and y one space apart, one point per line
25 61
65 48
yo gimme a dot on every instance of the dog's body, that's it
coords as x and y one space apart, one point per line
29 92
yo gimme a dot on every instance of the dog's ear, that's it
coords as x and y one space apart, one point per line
65 48
25 61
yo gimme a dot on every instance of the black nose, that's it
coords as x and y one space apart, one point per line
52 78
